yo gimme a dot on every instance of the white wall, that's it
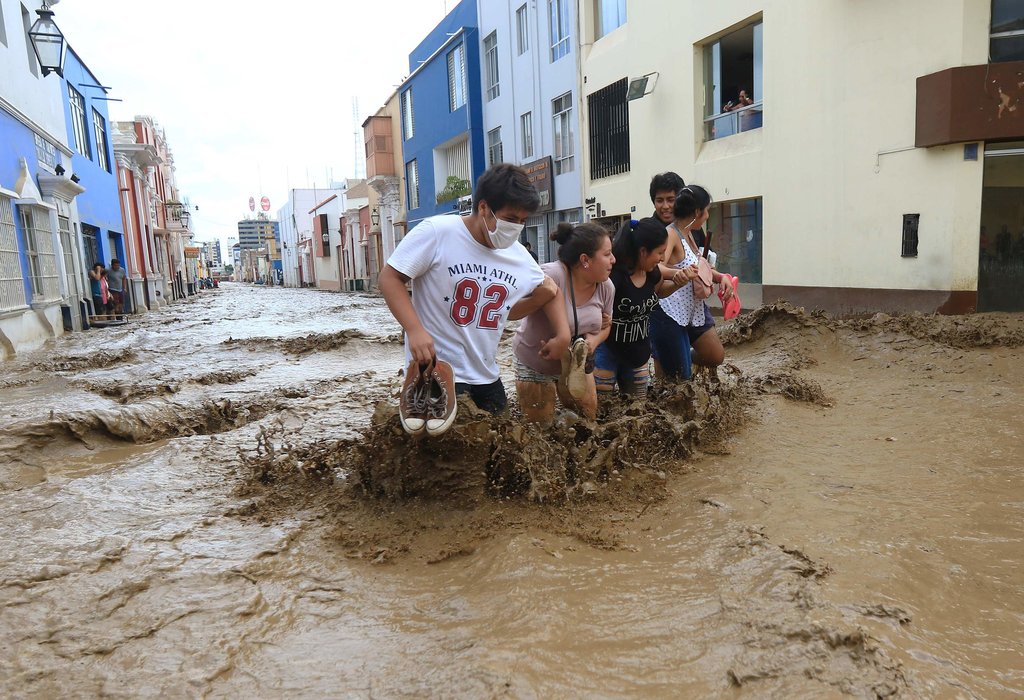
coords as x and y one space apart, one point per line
839 87
35 97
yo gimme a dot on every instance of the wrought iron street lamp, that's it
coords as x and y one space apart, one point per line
48 43
375 220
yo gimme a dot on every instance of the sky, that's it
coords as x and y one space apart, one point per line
255 96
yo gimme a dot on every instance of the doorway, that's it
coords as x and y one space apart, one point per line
1001 238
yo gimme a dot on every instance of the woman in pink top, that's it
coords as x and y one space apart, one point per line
105 292
584 262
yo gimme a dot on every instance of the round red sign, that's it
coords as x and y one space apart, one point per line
265 204
252 204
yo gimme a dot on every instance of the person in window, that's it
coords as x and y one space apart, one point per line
741 101
529 249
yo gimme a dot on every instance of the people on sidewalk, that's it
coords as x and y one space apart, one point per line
470 275
115 280
581 273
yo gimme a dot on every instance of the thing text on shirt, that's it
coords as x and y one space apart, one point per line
480 269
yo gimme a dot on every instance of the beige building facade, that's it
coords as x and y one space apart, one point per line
822 195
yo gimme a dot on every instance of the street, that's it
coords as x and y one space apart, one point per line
852 528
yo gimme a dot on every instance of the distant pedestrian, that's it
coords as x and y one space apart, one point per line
104 292
529 249
96 288
115 279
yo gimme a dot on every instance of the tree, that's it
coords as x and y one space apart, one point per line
229 269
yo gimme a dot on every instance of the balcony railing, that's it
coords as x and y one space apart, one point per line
743 119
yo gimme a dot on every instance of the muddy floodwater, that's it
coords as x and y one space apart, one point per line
215 500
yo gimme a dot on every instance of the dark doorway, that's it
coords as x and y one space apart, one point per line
1001 244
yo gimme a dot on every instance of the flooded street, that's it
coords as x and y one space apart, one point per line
195 505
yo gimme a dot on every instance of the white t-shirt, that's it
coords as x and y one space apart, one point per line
463 291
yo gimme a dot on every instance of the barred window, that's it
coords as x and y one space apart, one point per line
38 242
12 287
608 113
495 151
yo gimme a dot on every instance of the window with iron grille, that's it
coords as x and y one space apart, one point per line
910 223
100 131
522 31
38 243
71 271
78 123
491 65
564 146
526 127
608 113
558 11
412 179
407 121
495 153
457 77
12 287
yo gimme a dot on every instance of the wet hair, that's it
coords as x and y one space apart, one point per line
666 182
574 241
690 200
506 185
634 236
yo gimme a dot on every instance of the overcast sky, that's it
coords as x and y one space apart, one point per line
249 90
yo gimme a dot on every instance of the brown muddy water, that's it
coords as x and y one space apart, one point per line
210 502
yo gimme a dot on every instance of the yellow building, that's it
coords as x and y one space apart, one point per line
855 179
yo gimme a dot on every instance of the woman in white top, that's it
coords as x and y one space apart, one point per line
687 319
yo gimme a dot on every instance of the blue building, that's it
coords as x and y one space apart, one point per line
442 116
36 193
98 219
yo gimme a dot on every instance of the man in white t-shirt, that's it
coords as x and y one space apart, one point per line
470 275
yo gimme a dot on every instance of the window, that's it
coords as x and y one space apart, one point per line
407 122
561 110
495 153
559 12
526 127
522 31
733 83
491 65
738 237
71 271
610 15
33 66
608 113
457 77
100 131
1007 36
412 179
38 244
78 123
910 224
12 288
3 33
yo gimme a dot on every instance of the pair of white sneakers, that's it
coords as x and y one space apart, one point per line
427 402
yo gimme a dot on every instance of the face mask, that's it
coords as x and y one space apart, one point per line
505 233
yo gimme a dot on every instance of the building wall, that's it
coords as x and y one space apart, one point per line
434 123
529 82
839 92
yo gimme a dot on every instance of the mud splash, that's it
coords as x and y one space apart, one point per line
98 359
313 342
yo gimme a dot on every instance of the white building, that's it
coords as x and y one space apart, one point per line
311 223
529 78
879 144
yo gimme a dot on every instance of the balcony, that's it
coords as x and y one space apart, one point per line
739 120
971 103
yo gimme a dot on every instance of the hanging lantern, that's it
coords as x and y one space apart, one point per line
48 43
